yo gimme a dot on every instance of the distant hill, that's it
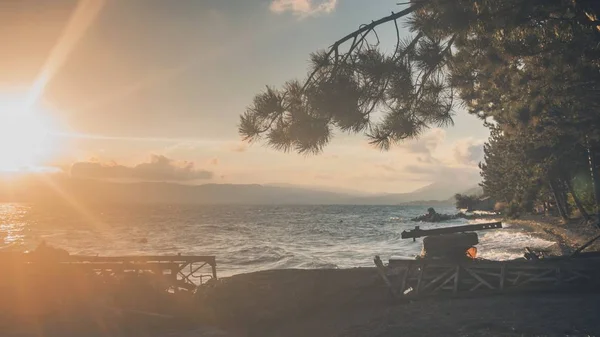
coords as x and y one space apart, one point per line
440 192
338 190
93 191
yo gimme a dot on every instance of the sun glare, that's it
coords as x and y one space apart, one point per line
25 142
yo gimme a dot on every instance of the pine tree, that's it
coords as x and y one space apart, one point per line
529 68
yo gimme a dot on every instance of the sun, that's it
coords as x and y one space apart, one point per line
25 134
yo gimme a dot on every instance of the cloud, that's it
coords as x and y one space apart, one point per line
386 177
303 8
159 168
426 145
442 172
468 151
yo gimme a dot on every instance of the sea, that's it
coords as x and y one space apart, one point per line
243 238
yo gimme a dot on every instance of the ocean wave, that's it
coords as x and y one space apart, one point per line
244 238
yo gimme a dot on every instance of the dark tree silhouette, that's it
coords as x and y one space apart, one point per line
457 45
349 83
529 68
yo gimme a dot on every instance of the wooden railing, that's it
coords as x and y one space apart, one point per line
177 271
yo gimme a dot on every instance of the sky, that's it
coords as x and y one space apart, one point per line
153 89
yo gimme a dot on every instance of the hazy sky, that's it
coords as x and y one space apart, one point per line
157 86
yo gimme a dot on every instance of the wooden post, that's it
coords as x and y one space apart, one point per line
173 276
405 278
386 280
587 244
420 277
456 280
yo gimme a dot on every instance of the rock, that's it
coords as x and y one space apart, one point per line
433 216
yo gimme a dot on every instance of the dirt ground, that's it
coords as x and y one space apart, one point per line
354 302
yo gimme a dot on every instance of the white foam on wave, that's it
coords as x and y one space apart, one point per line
478 221
508 244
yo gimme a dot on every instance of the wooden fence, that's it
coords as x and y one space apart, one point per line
422 277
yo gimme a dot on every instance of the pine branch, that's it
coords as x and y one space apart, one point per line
359 35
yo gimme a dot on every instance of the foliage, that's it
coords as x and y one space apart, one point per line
530 69
491 52
346 90
467 202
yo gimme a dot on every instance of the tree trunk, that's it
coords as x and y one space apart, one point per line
563 190
559 204
578 203
595 178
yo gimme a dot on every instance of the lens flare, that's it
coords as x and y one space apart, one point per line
25 134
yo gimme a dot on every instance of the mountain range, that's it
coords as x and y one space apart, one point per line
85 190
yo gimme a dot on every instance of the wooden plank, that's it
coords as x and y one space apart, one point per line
576 275
540 277
143 258
420 278
480 272
587 263
456 280
36 258
125 266
587 244
381 271
438 278
417 232
475 287
451 278
481 280
580 274
405 279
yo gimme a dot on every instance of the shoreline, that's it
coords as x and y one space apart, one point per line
354 302
567 236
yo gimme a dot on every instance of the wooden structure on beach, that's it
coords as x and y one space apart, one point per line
422 277
448 267
174 273
180 271
48 279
